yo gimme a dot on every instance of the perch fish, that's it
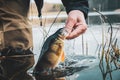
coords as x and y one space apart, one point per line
52 53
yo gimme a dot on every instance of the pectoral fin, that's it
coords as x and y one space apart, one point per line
63 57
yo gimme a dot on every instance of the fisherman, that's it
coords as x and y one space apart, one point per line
16 34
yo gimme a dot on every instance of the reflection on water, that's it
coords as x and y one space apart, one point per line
86 50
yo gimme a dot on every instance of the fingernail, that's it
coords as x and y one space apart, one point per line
65 32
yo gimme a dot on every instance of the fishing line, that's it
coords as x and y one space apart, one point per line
53 22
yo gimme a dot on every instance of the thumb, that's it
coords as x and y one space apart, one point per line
69 24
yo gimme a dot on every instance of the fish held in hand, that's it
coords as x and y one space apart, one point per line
52 53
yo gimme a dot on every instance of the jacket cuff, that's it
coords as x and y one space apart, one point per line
78 5
83 9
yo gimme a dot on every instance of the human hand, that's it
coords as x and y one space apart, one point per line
75 24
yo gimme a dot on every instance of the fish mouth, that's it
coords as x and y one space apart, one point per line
63 33
61 37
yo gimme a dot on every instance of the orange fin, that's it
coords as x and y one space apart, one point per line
63 57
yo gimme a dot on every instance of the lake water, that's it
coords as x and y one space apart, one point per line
85 49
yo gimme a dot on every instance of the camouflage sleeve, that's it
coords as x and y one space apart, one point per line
81 5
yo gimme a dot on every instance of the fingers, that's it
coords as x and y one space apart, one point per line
80 29
76 24
70 23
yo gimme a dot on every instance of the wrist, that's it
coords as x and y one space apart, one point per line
76 12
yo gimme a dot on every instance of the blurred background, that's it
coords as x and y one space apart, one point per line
110 8
91 47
